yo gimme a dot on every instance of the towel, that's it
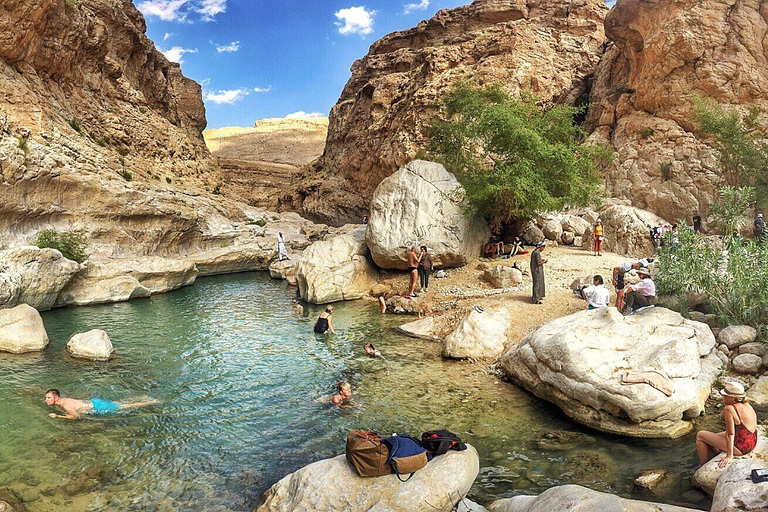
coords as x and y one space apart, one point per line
652 377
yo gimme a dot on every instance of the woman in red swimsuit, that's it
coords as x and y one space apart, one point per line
740 436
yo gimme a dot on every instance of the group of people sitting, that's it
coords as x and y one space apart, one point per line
496 248
629 298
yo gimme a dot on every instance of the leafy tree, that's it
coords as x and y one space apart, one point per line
729 213
71 244
514 158
741 145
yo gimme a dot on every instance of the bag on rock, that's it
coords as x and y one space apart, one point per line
405 455
367 454
438 442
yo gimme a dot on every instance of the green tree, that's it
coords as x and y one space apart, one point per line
514 158
71 244
729 213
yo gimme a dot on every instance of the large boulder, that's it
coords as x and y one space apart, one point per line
758 394
574 224
551 227
626 230
736 335
10 286
333 484
531 234
479 335
22 330
577 362
736 492
708 476
285 269
747 363
421 204
336 269
42 274
502 276
575 498
93 344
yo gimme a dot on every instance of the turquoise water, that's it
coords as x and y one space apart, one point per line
239 380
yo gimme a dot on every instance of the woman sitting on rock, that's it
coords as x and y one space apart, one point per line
740 436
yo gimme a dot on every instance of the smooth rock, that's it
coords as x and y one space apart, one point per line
333 484
756 347
551 228
747 363
736 335
655 480
575 498
423 328
567 238
502 276
578 242
709 474
577 362
532 234
285 269
724 349
43 273
94 344
336 269
418 205
758 393
479 335
466 505
723 357
574 224
735 491
22 330
404 306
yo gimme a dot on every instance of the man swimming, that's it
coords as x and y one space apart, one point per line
74 408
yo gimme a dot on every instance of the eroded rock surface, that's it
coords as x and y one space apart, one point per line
479 335
94 344
22 330
708 476
42 274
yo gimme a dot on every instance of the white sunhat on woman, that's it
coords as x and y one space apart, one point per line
734 389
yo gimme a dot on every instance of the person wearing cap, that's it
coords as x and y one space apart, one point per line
642 294
598 232
537 272
759 229
740 436
618 277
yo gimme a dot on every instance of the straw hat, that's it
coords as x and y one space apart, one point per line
734 389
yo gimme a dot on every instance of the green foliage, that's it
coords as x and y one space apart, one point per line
70 3
142 110
121 160
126 174
513 158
217 189
23 143
665 169
732 276
741 145
729 212
71 244
168 180
646 132
75 124
261 222
122 151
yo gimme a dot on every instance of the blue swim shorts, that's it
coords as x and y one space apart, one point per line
104 406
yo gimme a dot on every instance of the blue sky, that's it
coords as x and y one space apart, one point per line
269 58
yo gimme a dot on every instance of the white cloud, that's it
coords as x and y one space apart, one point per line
231 47
205 82
210 8
228 97
303 115
422 5
262 89
167 36
356 21
176 54
178 10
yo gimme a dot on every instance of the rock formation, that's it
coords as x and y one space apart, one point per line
94 344
550 47
418 205
732 481
479 335
40 275
578 362
22 330
662 53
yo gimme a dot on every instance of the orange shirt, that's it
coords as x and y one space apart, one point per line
599 230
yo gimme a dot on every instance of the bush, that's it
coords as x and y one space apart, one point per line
71 244
126 174
514 158
122 151
729 212
23 143
168 180
217 189
75 124
666 170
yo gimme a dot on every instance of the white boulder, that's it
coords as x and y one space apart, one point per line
567 238
736 335
736 492
423 328
421 204
575 498
501 276
551 228
22 330
574 224
747 363
758 393
42 274
708 476
285 269
336 269
577 362
479 335
626 230
333 484
93 344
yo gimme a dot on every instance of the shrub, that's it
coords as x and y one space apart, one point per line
75 124
23 143
126 174
142 110
729 211
217 189
666 169
168 180
122 151
71 244
70 3
645 133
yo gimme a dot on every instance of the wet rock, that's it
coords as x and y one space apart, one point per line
11 500
592 466
333 484
479 335
22 330
563 440
736 335
418 205
502 276
423 328
29 478
94 345
747 363
655 480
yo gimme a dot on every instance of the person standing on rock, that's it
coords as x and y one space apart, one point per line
282 253
740 436
425 267
413 272
537 273
598 235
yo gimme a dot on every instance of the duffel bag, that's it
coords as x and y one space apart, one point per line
367 453
405 455
438 442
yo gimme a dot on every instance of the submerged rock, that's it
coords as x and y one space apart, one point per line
421 204
10 501
577 362
423 328
655 480
562 440
333 484
94 344
22 330
479 335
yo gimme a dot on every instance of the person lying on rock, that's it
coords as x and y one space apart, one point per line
344 394
74 408
740 436
596 295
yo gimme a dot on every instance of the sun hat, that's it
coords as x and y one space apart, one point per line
734 389
543 243
760 215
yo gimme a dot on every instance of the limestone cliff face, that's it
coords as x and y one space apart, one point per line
550 47
664 52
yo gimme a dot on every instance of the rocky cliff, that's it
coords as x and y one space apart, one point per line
550 47
662 53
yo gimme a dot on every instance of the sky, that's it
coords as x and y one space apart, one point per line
274 58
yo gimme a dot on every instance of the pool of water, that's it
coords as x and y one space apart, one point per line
239 381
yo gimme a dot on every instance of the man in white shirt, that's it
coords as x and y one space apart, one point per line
641 294
597 295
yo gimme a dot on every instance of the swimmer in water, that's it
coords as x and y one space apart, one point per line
74 408
297 308
325 322
371 351
344 395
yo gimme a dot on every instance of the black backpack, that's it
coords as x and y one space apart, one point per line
437 442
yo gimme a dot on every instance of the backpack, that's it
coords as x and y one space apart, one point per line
405 455
367 454
438 442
